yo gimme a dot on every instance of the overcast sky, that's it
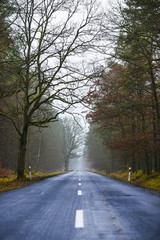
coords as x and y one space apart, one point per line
79 108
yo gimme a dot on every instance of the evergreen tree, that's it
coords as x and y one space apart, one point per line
139 46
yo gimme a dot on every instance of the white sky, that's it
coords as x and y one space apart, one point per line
79 108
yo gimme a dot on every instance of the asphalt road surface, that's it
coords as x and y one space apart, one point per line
80 206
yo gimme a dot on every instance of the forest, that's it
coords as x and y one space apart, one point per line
46 69
125 97
39 82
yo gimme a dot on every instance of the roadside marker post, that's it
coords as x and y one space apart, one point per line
30 173
129 174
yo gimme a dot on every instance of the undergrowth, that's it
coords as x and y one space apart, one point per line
151 181
138 178
11 183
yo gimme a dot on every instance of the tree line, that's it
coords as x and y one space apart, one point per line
38 79
44 72
48 149
125 97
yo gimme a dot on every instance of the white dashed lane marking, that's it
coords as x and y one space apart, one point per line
79 219
79 192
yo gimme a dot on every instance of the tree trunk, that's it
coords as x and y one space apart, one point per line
148 165
22 153
66 164
133 163
155 141
156 103
154 91
39 152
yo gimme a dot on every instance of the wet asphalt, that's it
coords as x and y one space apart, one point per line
109 210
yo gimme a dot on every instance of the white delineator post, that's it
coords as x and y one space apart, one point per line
129 174
30 173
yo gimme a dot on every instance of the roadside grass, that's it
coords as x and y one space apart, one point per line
151 181
11 183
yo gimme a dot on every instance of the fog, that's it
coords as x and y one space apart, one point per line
77 163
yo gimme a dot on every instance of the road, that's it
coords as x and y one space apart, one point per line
80 206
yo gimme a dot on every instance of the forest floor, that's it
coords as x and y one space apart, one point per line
151 181
11 182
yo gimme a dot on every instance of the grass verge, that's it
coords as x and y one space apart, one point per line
11 183
151 181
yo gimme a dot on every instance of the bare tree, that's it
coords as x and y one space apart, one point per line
50 34
73 138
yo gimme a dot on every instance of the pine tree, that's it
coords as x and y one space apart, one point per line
139 46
